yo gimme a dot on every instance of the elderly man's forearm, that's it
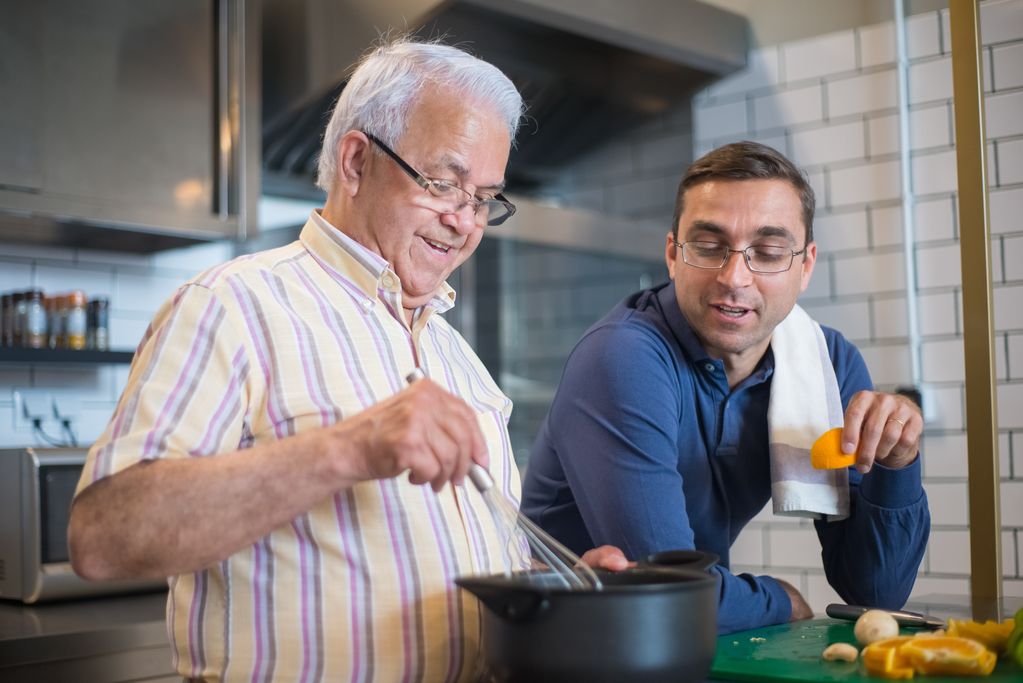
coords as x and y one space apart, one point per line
167 517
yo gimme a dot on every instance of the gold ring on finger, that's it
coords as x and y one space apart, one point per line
895 419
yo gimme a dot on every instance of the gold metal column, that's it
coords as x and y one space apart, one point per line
978 312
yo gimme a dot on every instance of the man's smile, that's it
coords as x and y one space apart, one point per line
437 246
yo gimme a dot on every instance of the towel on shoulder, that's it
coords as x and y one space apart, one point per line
805 402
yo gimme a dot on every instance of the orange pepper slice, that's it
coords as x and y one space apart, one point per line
826 452
884 659
902 657
949 656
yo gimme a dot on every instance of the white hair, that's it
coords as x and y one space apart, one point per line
386 82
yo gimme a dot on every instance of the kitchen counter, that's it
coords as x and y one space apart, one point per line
100 639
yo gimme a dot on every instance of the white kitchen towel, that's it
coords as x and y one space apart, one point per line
805 402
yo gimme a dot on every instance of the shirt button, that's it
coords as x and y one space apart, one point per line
709 367
388 281
367 303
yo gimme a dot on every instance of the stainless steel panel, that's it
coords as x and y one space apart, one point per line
20 79
117 117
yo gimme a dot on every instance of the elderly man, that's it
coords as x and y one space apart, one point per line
255 454
693 403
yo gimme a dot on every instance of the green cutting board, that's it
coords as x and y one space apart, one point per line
792 652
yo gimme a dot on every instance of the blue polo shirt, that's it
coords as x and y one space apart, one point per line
645 447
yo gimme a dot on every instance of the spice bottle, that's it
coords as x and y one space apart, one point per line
58 333
52 306
76 321
33 332
6 324
17 317
99 324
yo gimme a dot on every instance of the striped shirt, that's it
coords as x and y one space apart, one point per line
360 588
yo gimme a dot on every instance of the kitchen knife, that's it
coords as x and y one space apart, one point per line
852 613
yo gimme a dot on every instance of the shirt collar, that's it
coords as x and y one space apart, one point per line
357 268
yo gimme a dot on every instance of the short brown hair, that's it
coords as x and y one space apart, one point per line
746 161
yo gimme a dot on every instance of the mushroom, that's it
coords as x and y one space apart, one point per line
874 625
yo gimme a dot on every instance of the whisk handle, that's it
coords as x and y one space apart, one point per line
481 479
477 473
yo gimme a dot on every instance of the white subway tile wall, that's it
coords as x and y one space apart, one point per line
779 109
1015 357
877 44
1006 65
939 313
839 232
886 226
849 142
828 144
1001 22
1003 114
860 94
934 172
1010 162
821 56
872 273
934 219
946 455
930 81
888 363
852 318
889 318
923 35
863 183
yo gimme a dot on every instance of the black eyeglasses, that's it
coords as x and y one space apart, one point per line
759 258
446 197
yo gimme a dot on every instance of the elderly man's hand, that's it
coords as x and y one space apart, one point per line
425 430
606 557
882 428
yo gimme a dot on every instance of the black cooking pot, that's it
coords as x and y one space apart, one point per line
654 622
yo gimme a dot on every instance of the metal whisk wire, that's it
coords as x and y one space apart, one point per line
566 567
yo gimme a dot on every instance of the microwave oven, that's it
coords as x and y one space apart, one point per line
36 489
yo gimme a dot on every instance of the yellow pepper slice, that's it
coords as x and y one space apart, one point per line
991 634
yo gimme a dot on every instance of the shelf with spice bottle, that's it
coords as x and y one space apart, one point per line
63 328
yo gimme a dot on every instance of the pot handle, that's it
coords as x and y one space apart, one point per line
688 559
512 604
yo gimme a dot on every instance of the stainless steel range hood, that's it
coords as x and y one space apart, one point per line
588 69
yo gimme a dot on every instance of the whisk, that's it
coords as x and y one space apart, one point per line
567 570
519 532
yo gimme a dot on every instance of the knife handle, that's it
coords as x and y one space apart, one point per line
849 612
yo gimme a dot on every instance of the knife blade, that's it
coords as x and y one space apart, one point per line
915 619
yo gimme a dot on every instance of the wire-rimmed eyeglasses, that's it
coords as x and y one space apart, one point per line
760 258
448 197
